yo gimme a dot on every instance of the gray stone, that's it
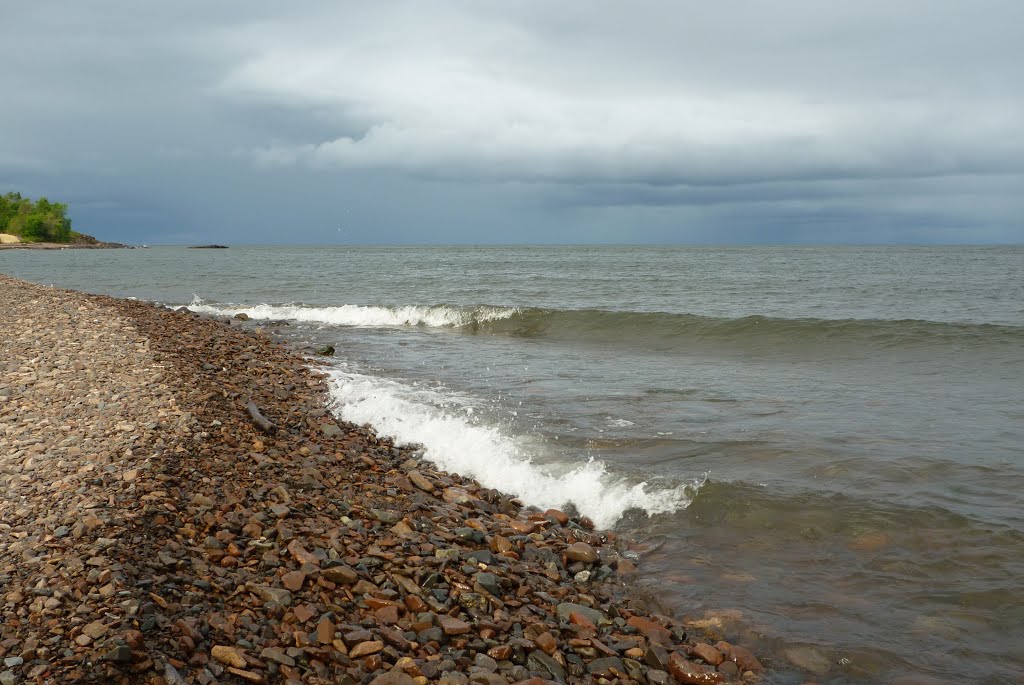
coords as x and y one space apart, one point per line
539 661
657 677
121 654
278 655
489 582
634 669
604 667
172 677
486 663
453 678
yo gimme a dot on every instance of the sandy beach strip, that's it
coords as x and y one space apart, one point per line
153 531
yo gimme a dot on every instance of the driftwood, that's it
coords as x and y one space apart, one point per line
259 419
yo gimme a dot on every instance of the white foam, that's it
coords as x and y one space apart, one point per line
363 315
456 442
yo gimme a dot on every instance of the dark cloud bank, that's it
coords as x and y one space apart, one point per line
493 122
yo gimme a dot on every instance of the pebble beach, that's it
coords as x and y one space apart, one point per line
178 505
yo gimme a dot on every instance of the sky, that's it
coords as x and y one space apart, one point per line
476 121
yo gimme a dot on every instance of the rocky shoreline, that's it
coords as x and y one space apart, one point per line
153 530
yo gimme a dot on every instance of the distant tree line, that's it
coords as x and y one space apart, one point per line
41 221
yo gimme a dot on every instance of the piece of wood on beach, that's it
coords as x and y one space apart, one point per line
265 424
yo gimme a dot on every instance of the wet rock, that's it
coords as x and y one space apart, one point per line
566 609
707 653
652 631
581 551
689 673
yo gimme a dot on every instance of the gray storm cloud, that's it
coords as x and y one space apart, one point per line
804 112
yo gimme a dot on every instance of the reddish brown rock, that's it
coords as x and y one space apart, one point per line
453 626
325 631
293 580
581 551
653 631
546 643
365 649
707 653
689 673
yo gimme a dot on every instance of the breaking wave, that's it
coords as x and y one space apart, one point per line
455 441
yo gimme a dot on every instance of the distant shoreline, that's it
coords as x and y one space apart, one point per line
65 246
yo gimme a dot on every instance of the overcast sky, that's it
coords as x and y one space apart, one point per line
790 121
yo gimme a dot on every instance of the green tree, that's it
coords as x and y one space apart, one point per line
39 221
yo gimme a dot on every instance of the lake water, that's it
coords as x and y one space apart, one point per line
819 449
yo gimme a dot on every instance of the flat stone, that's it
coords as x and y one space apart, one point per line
393 678
365 649
293 580
325 631
421 481
453 626
342 575
652 631
276 655
489 582
539 661
95 630
608 667
250 676
228 655
689 673
272 594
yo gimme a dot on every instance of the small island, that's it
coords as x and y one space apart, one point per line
40 224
